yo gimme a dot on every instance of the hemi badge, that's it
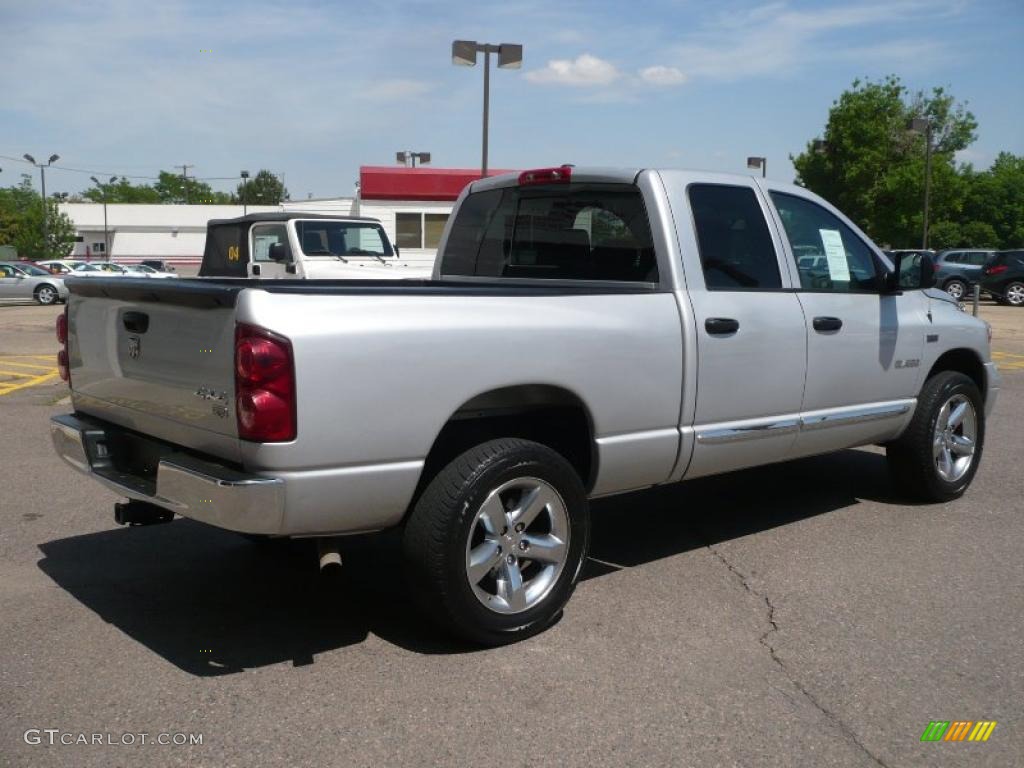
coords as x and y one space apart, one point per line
931 338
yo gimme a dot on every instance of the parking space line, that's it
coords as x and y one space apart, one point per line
22 374
16 364
7 387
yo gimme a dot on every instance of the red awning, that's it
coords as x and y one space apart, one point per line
378 182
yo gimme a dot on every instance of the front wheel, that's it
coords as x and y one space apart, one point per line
496 543
46 294
936 457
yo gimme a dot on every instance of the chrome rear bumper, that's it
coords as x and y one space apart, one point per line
192 487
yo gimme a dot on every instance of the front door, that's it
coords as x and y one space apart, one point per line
863 346
751 345
262 237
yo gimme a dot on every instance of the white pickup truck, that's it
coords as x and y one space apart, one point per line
586 333
294 244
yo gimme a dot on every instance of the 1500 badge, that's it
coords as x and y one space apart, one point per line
907 363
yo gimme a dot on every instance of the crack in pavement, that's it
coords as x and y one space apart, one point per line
765 641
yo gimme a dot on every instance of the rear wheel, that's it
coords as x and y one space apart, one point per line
957 289
496 543
938 454
1014 294
46 294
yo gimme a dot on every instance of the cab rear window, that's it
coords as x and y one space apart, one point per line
570 232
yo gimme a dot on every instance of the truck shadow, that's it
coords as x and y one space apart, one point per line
213 603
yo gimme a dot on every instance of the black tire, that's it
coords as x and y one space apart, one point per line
911 459
1014 293
438 532
959 285
46 295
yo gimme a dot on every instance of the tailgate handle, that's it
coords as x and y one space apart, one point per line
136 322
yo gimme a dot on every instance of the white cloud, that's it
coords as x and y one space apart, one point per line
662 75
584 71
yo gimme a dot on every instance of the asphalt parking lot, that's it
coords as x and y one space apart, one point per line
794 615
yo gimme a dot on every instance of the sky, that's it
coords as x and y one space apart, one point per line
313 89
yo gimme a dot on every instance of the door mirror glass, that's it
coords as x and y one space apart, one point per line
914 271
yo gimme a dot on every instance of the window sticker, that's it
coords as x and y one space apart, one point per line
835 254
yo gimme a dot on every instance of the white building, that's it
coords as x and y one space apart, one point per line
412 205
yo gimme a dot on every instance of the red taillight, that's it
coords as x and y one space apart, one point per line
63 366
936 267
998 269
560 175
264 386
62 328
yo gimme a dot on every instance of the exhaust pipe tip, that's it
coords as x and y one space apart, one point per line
330 557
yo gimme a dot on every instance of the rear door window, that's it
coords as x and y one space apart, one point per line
736 249
571 232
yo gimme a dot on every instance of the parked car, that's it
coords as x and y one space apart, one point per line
158 264
585 333
1003 277
147 270
289 243
957 271
60 266
105 269
30 282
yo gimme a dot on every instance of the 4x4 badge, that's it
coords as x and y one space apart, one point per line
134 347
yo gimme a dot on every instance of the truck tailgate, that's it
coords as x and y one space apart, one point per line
156 358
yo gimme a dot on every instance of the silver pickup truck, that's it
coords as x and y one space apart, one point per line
585 333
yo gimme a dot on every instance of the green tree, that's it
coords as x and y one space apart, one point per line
175 188
996 198
263 189
872 167
60 232
122 191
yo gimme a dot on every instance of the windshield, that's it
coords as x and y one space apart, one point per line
32 269
87 268
143 268
347 239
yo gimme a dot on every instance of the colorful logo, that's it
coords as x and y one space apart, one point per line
958 730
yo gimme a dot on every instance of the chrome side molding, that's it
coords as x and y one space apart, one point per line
753 432
853 416
791 425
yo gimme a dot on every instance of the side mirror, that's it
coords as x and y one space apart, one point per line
913 272
278 252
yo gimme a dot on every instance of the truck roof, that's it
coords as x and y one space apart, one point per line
608 175
286 216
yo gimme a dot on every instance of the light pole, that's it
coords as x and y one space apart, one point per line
510 56
42 174
408 157
923 125
758 162
245 190
106 236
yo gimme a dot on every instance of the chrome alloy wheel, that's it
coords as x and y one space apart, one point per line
955 438
46 295
518 545
1015 294
956 289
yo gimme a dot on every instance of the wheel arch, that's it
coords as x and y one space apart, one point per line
965 361
544 413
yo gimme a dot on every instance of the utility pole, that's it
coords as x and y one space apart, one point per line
184 179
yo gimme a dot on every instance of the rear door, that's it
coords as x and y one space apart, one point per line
751 343
863 347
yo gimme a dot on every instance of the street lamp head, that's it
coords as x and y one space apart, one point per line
423 156
95 180
755 162
29 158
510 56
244 174
113 179
464 53
919 124
54 158
401 157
